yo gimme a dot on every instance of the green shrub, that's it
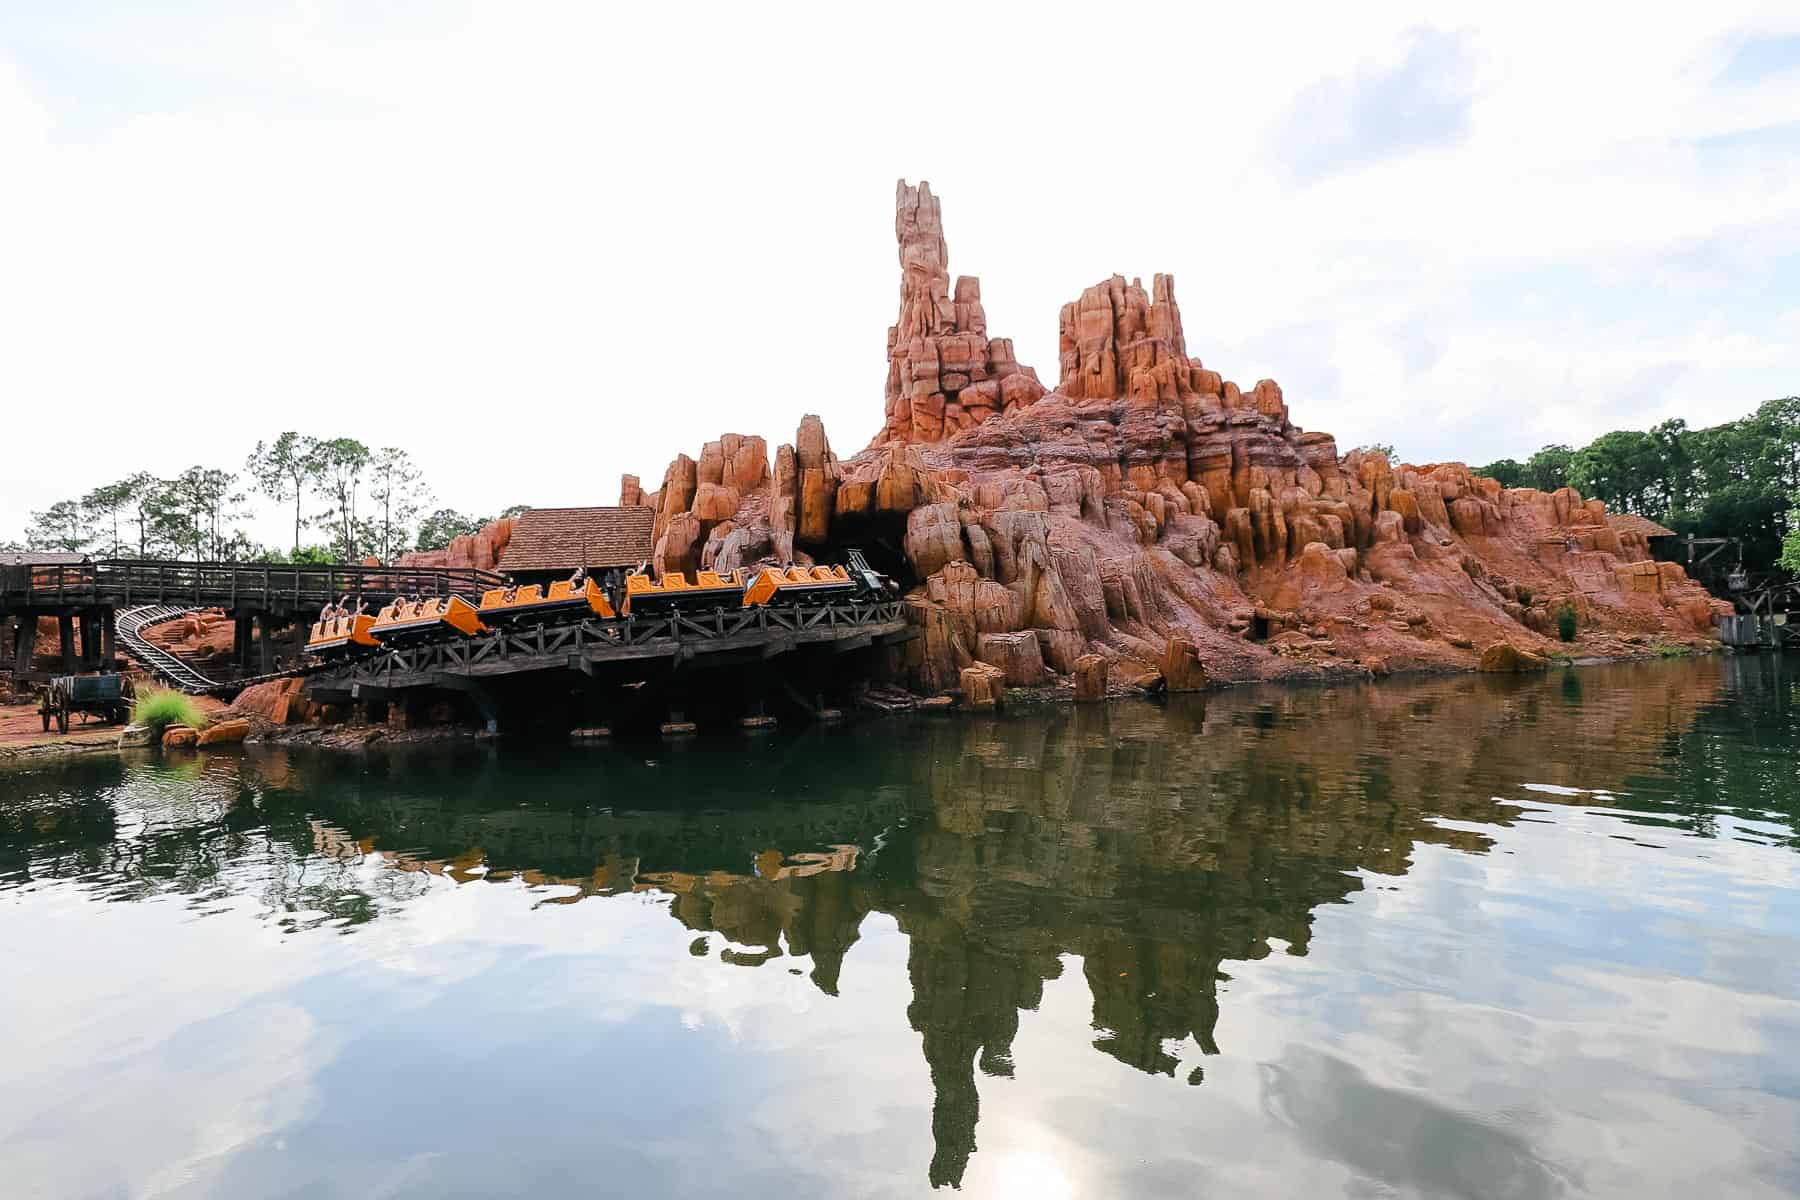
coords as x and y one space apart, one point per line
1565 622
1664 650
161 707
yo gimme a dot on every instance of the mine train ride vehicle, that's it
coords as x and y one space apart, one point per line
340 634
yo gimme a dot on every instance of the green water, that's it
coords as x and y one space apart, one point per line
1463 937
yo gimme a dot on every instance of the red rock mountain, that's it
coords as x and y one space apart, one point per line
1151 512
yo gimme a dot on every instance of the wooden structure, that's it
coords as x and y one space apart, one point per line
85 595
632 647
33 586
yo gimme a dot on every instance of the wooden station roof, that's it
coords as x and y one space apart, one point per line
561 539
1632 523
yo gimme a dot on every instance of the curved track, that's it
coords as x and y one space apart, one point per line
131 623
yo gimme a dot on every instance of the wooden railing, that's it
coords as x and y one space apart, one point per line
261 586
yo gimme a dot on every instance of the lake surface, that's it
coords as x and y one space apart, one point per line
1467 937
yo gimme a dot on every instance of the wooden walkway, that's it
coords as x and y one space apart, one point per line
236 587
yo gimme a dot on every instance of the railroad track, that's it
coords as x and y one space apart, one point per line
130 624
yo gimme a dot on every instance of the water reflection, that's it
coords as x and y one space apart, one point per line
1148 848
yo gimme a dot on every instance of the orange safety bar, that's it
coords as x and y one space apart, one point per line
402 617
352 630
561 594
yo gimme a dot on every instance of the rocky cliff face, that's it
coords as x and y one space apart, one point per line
1146 505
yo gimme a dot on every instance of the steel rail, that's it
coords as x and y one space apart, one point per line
130 625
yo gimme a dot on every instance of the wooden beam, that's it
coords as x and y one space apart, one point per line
27 647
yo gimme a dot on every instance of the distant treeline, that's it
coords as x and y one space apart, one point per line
1739 479
358 501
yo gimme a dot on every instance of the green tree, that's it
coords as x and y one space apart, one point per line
337 466
144 491
282 469
398 495
104 505
194 513
1626 469
1382 448
1510 472
513 510
1790 543
65 526
437 530
1548 469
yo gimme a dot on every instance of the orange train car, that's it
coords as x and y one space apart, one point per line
341 636
403 622
562 601
798 585
709 590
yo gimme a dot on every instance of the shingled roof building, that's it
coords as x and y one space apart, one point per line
554 541
1643 526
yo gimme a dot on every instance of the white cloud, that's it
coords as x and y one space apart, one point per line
543 244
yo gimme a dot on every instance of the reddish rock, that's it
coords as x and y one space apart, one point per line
1090 677
1504 658
179 737
983 686
1016 655
714 503
1181 667
944 373
224 733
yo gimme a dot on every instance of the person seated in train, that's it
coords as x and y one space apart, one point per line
511 591
578 580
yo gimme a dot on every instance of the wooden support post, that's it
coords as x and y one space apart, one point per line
90 641
265 642
27 647
109 650
65 633
299 638
240 642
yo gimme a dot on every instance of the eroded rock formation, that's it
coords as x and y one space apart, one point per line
1149 511
945 374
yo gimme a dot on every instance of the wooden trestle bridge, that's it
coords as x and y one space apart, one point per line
718 638
101 597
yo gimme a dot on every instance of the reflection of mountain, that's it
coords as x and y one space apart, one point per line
1155 845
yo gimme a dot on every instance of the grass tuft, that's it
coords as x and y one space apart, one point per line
160 708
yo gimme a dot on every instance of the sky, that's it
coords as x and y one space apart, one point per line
542 244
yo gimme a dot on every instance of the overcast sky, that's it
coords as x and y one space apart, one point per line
539 244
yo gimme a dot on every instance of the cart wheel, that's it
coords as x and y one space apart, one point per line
62 721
